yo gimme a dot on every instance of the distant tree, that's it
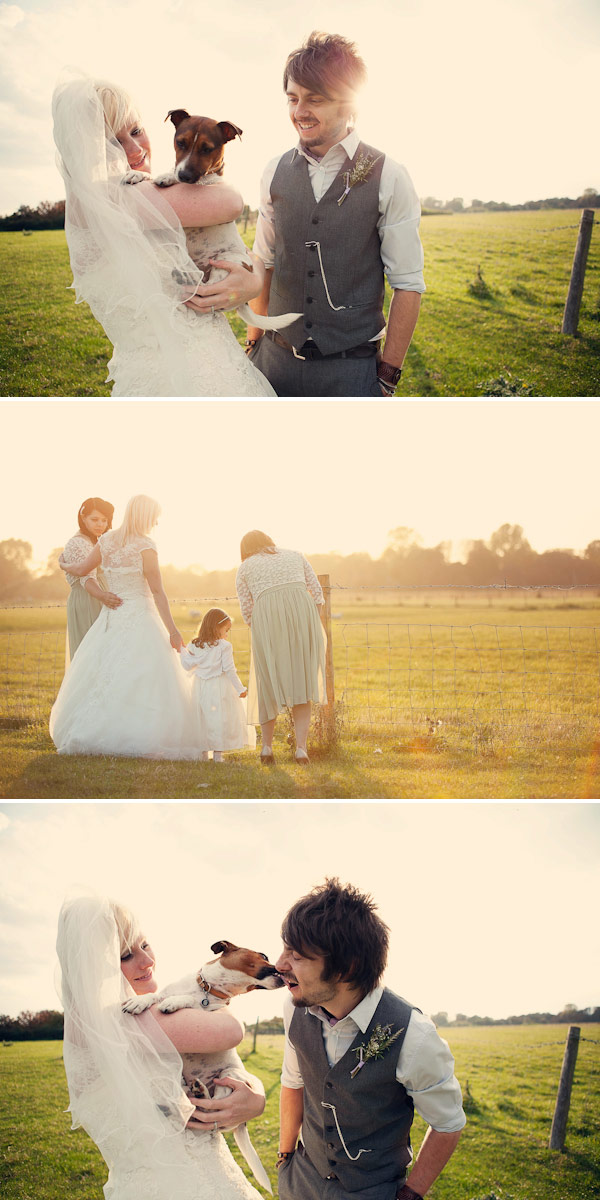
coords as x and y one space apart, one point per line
15 576
440 1018
456 205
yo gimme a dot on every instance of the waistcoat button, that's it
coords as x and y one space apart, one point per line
315 221
328 1084
309 299
308 325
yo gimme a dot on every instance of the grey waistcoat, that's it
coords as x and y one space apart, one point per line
350 253
374 1112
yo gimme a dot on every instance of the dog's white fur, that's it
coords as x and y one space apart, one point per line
201 1071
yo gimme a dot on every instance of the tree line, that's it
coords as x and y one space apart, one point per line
50 214
505 558
48 1025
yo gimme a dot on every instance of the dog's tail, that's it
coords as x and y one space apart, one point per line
252 318
245 1147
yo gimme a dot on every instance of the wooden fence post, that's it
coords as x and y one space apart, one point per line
329 678
572 306
561 1111
255 1036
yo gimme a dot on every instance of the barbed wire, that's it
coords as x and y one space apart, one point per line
365 587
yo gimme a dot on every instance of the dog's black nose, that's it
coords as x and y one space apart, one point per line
187 176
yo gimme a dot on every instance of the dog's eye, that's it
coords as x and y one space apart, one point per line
204 149
180 142
263 956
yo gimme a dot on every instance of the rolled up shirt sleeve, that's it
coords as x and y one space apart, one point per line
426 1069
290 1070
398 225
264 238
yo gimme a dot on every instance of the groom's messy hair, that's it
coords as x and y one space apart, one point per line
340 924
325 62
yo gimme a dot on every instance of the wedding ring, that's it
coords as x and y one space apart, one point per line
216 1126
212 309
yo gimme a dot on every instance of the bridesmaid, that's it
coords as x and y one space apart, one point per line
87 596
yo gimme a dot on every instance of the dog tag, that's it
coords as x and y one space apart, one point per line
205 1001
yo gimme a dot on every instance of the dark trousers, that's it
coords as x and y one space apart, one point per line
291 376
297 1179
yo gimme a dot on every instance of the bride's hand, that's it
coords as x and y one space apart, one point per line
238 286
242 1104
176 640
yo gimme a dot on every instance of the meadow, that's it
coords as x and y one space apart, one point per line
490 320
509 1076
448 697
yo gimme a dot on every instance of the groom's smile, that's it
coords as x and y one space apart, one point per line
320 121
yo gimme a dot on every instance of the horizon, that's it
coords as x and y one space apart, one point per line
461 127
448 950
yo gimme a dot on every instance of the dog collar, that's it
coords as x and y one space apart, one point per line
206 988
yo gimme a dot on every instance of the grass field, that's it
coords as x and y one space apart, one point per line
463 342
509 1077
449 700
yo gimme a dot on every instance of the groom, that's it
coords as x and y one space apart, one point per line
335 214
357 1059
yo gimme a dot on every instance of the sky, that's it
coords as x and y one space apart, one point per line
318 477
490 100
491 907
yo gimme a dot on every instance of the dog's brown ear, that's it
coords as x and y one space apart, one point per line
177 115
229 130
221 947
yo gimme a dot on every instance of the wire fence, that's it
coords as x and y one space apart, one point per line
430 679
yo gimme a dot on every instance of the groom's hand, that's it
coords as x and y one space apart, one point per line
241 1105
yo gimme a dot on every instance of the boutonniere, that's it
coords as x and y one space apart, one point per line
360 171
377 1045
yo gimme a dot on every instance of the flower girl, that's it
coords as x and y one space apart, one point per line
218 691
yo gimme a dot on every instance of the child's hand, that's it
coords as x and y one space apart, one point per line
243 694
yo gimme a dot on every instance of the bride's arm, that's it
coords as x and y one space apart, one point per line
93 559
153 577
193 1031
198 204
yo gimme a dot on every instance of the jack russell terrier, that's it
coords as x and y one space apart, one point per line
235 971
199 158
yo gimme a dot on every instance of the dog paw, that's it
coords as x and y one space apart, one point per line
135 1006
135 177
166 180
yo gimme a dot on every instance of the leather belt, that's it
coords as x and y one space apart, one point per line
310 352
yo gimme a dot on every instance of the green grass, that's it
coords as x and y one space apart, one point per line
465 338
509 1077
441 701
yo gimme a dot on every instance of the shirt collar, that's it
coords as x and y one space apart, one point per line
349 145
362 1014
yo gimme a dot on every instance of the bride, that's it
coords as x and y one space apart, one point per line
124 1073
127 248
124 691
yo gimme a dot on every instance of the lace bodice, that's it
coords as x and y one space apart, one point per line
76 550
263 571
123 566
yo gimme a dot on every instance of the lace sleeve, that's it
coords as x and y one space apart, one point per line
76 551
244 595
312 583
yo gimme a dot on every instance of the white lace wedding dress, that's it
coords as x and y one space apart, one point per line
125 692
205 359
199 1166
